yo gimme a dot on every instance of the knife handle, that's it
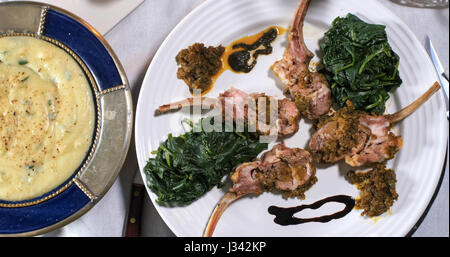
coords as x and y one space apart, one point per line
133 227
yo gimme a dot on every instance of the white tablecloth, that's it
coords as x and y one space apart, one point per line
135 41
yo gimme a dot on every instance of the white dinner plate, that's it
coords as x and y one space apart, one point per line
418 165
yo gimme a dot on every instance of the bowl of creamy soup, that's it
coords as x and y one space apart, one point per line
65 117
48 117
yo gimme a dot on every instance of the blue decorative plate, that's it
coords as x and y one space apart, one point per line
113 126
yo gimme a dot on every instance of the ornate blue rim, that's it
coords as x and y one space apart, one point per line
105 74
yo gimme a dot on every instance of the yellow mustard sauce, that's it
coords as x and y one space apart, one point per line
47 117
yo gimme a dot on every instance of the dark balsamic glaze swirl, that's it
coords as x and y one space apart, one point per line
239 61
285 216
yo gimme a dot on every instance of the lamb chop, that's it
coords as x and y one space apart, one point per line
309 89
246 107
288 170
358 137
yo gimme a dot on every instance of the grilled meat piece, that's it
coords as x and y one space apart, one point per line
245 180
288 170
283 169
358 137
338 135
309 89
288 117
247 107
381 145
